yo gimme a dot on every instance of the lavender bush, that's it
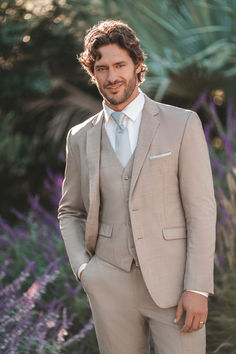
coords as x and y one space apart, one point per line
22 329
223 159
43 309
222 315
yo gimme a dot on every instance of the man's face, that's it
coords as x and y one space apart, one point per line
116 76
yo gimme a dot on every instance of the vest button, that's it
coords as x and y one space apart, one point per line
126 177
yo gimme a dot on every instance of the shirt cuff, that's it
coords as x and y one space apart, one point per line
199 292
82 267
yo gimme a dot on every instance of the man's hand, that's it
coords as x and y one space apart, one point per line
196 307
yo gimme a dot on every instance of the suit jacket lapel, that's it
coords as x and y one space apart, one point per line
148 127
93 155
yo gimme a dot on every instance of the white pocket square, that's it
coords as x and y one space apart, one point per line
160 155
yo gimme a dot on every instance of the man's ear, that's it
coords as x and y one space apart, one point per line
92 79
138 67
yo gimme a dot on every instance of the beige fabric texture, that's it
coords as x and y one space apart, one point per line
171 200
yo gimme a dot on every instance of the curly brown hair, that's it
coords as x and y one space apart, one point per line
111 32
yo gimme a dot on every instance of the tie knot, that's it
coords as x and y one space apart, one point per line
119 119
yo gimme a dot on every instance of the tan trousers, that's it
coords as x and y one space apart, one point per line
124 314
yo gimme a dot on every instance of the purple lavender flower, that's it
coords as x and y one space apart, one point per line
200 101
208 129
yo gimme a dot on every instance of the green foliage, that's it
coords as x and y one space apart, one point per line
39 75
39 45
12 148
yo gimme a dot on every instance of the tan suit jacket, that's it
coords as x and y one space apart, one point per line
171 202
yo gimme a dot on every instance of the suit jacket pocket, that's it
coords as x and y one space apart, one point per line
164 154
174 233
105 230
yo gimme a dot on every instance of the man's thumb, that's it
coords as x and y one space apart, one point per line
179 312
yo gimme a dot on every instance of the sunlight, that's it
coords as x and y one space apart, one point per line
39 8
26 39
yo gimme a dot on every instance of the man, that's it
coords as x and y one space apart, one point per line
138 211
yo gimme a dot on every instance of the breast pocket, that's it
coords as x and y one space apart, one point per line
158 156
161 163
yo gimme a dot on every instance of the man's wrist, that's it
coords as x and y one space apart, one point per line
81 268
199 292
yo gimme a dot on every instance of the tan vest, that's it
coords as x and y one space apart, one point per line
115 239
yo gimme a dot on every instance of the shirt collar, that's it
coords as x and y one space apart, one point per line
132 110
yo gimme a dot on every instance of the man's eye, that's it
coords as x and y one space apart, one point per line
100 69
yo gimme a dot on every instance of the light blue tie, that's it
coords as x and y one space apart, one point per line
122 144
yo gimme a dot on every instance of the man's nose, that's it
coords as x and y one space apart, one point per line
111 75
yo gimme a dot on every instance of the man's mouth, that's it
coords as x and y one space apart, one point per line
114 86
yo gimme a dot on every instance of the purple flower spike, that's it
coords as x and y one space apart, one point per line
200 101
213 108
207 130
229 118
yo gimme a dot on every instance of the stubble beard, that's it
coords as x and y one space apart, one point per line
129 89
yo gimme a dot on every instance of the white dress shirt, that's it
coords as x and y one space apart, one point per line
133 115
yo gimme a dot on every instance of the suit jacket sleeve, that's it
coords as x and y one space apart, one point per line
197 193
72 213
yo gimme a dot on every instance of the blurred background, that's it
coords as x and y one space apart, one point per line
191 55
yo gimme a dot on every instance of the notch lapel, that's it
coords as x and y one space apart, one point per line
148 127
93 149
